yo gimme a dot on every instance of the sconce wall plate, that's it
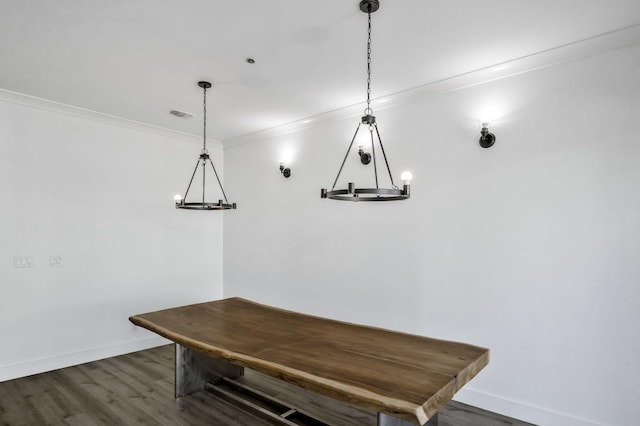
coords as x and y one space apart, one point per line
365 157
487 139
286 171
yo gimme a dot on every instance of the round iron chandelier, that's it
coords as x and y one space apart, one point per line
351 193
204 157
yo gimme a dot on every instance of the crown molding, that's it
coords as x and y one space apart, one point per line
86 114
599 44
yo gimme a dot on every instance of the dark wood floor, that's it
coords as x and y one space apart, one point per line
137 389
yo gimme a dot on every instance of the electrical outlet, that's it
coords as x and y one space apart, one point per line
23 261
55 261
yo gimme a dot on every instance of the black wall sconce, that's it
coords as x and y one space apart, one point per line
487 139
286 171
365 157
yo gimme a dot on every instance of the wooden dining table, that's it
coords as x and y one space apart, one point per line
403 377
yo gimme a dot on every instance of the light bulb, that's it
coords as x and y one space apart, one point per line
406 177
286 157
177 198
363 139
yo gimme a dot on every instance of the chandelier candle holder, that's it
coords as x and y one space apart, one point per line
202 161
351 193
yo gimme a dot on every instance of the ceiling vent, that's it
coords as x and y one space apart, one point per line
181 114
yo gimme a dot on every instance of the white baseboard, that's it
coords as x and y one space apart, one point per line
28 368
519 410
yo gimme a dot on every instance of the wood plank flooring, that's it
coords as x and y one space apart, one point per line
137 389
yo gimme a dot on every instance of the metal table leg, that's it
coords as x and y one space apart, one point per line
387 420
194 369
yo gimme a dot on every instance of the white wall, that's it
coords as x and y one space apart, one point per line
100 196
529 248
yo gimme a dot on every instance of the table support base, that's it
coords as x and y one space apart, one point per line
194 369
263 405
387 420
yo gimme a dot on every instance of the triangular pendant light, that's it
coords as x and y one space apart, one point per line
181 202
351 193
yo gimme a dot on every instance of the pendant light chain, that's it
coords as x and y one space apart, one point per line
369 111
204 132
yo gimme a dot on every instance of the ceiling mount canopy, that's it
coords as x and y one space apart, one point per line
351 193
203 159
369 6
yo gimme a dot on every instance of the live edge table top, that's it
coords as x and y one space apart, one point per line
406 376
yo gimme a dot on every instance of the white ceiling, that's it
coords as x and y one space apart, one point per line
139 59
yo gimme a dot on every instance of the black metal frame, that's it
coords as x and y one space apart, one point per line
367 194
220 205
